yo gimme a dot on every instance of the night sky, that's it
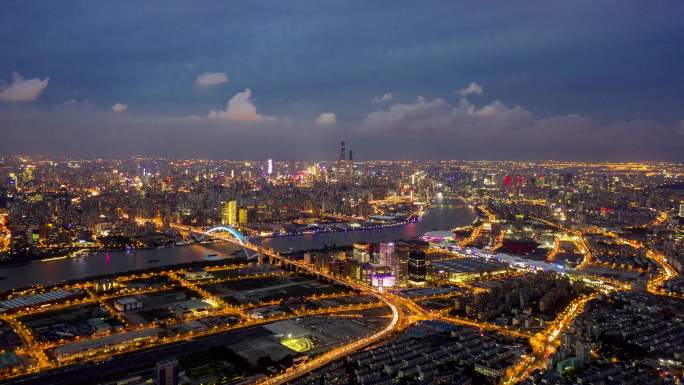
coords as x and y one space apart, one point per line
567 80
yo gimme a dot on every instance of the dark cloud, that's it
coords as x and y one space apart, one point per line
497 131
82 130
424 129
616 64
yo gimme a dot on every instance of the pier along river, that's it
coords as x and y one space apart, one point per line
440 217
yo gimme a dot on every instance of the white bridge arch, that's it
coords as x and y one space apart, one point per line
241 238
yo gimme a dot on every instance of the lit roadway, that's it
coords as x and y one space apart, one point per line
404 312
37 349
478 230
398 306
487 326
556 249
545 343
473 237
667 272
584 249
498 242
337 353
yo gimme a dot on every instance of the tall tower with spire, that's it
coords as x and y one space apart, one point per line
341 166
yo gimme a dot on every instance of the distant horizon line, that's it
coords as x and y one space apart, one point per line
330 160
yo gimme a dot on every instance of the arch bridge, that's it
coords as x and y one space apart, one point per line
241 238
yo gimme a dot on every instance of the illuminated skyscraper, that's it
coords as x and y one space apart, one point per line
341 166
387 254
224 214
681 209
243 217
388 257
416 267
229 213
270 166
350 170
232 213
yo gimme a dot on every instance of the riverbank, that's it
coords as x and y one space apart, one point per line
109 262
332 230
440 217
49 258
150 269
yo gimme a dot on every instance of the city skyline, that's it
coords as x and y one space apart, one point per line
445 192
188 271
442 80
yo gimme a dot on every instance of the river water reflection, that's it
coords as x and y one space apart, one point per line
441 217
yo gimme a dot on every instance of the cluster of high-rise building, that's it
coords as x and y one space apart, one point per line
48 206
540 238
345 166
382 265
51 206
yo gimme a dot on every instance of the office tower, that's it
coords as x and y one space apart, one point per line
350 170
361 252
388 258
416 267
681 209
229 213
167 372
232 213
341 161
243 216
270 166
387 254
225 213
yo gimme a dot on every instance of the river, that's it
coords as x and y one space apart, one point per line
440 217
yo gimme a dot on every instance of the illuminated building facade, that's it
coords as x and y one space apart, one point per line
361 252
387 254
341 161
243 216
381 280
229 213
232 213
416 267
